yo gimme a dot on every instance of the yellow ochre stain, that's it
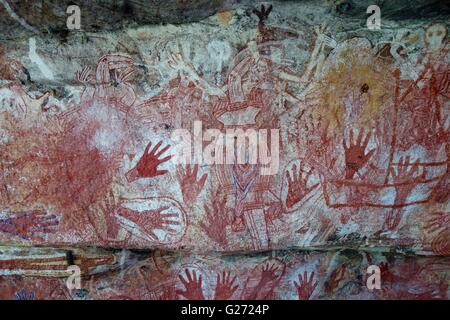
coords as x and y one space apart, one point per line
225 17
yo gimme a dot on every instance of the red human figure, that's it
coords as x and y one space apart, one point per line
113 75
193 286
110 81
297 185
355 156
190 187
225 287
147 166
304 286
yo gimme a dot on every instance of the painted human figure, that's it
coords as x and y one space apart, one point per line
429 92
110 82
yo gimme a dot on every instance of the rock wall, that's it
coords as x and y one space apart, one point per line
244 151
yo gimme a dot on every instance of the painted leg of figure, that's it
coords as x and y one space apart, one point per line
256 224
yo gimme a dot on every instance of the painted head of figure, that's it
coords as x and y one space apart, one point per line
435 36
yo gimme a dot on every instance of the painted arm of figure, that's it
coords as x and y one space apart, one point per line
32 104
315 64
234 81
112 62
85 77
317 55
316 60
176 62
